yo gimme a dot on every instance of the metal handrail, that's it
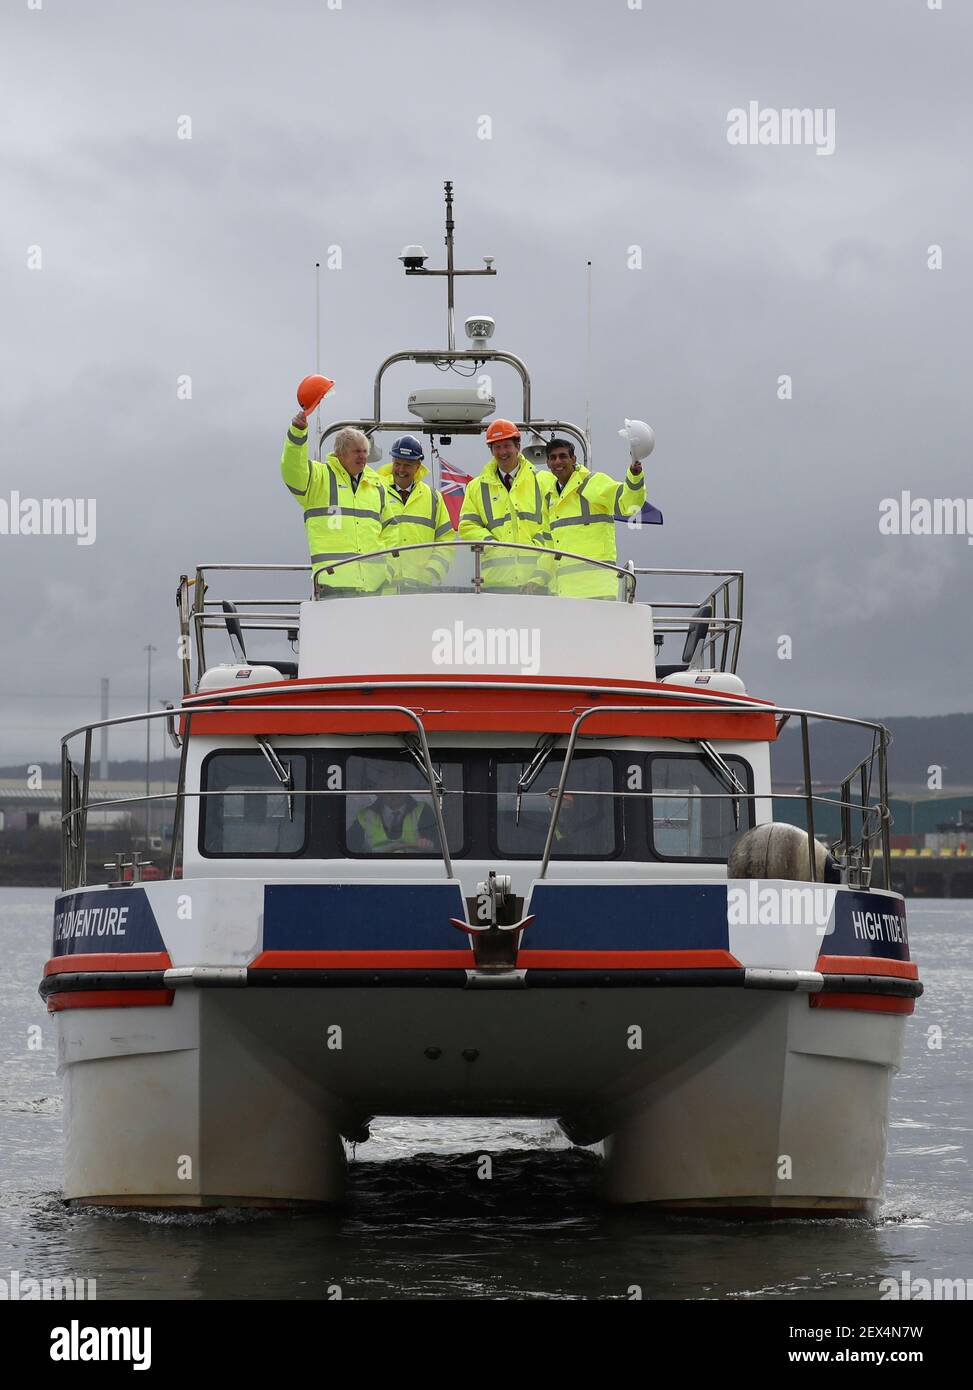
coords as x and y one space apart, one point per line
199 613
807 796
433 355
725 625
202 613
74 811
88 729
480 547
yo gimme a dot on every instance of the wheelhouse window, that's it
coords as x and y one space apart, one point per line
587 826
692 807
389 809
249 811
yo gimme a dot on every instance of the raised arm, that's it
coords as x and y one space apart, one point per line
295 467
631 494
620 499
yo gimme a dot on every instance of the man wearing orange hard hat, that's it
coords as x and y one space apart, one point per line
506 503
343 500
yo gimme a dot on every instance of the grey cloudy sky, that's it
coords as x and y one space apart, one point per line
313 127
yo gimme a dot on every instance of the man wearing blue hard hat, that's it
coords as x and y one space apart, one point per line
415 514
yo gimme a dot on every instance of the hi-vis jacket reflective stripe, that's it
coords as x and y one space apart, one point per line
421 520
582 520
377 837
338 519
491 513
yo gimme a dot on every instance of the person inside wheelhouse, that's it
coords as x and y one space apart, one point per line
393 821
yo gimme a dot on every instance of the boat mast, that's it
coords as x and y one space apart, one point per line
415 265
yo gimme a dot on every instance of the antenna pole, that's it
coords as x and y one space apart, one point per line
148 745
317 337
587 384
451 324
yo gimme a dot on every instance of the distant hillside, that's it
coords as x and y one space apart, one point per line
918 742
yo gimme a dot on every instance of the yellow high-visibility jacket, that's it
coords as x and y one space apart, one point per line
339 520
420 520
581 519
376 839
491 513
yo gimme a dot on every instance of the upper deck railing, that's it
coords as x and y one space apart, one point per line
709 617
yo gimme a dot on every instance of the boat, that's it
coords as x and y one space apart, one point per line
593 917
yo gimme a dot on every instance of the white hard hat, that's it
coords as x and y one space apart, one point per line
640 437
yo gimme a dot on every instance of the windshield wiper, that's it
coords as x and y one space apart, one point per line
415 753
533 770
282 771
723 773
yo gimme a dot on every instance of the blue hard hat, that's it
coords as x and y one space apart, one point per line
408 447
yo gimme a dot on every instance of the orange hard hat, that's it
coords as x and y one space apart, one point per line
312 391
502 429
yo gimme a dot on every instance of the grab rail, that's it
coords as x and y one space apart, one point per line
199 614
879 752
81 810
854 854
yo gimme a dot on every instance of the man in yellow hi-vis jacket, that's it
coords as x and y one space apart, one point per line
343 502
580 511
506 503
415 514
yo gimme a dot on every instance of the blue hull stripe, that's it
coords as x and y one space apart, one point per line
627 917
362 917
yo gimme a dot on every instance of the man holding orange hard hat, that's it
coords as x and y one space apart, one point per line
342 498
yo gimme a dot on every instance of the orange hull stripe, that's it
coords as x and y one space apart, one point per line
109 960
363 960
627 960
867 965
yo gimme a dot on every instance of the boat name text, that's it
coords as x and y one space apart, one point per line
878 926
89 921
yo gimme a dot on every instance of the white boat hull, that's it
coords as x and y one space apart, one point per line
736 1099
